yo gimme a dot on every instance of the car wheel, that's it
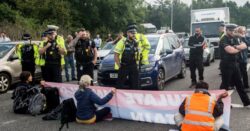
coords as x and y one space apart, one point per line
160 79
208 61
213 58
4 82
182 73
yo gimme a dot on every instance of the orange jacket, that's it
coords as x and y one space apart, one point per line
199 113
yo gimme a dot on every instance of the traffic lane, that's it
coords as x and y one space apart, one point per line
16 122
240 117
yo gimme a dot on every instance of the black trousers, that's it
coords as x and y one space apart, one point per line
29 66
196 63
230 72
132 73
52 73
85 69
244 75
102 113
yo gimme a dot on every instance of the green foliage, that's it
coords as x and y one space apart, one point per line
103 16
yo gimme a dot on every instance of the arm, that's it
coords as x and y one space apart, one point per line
241 46
43 49
218 108
182 108
73 42
231 50
117 59
97 100
95 56
145 50
190 43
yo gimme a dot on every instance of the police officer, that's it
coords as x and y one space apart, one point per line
230 48
197 44
129 53
53 51
85 54
28 53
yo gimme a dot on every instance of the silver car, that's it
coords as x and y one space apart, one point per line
208 53
10 66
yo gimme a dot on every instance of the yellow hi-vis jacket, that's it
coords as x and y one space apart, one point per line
143 45
60 42
36 52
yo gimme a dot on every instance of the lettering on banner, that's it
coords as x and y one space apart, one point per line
153 117
154 100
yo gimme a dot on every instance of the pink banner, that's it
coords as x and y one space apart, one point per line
146 106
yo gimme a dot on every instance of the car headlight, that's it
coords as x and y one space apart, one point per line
148 67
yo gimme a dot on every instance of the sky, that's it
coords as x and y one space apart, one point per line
239 2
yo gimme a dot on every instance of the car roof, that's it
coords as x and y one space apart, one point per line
159 35
18 42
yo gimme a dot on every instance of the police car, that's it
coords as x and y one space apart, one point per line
10 66
166 59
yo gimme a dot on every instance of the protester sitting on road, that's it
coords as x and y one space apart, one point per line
87 113
201 111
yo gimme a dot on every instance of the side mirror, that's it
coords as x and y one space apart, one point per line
12 58
168 51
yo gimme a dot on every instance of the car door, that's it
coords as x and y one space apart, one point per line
14 65
179 53
167 58
174 62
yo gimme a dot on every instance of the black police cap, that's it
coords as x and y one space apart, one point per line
132 27
26 37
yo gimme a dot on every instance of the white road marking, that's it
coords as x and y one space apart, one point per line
173 130
7 122
237 105
10 91
248 66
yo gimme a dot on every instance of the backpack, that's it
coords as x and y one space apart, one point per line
37 104
27 53
68 113
52 97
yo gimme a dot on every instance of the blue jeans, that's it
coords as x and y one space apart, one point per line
69 61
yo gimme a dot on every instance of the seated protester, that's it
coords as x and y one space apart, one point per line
22 94
87 113
201 111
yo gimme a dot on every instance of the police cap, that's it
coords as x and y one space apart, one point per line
132 27
26 37
231 26
53 27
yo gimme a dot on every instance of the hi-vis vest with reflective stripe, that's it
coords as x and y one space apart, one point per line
36 52
60 42
143 45
199 110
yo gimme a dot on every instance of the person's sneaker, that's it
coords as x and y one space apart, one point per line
74 79
247 106
247 90
192 85
108 117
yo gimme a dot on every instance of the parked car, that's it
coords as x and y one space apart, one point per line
166 59
10 66
208 53
104 52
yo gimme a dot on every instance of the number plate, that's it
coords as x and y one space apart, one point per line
113 75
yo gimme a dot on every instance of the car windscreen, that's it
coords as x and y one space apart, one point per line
108 46
153 41
4 49
208 29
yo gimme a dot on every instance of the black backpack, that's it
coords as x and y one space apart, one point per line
27 53
52 96
68 113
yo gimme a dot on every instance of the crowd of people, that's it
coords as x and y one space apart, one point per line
199 111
